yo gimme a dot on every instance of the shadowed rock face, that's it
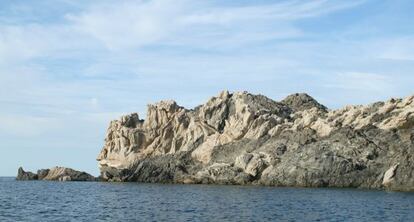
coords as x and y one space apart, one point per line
23 175
55 173
242 138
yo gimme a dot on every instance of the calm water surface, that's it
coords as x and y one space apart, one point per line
94 201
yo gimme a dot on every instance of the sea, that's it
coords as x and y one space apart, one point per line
100 201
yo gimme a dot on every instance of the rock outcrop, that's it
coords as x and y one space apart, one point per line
56 174
23 175
241 138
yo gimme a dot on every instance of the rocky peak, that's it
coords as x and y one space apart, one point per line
302 101
23 175
160 113
220 109
169 106
215 111
130 120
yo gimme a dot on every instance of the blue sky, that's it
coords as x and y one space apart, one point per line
68 67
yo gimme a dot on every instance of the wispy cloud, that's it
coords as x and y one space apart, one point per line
361 81
27 126
130 24
282 11
398 49
133 24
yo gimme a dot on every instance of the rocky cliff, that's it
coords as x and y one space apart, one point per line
241 138
55 174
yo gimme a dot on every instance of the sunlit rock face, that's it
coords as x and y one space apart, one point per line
241 138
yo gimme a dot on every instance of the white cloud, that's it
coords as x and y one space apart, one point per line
128 24
134 24
15 44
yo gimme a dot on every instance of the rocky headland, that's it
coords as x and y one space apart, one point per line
55 174
241 138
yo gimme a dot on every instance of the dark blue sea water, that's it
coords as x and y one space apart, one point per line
95 201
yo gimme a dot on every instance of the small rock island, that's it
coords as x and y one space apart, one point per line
242 138
55 174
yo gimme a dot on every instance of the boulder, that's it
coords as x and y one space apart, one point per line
389 175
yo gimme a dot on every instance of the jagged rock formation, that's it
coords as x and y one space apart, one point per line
55 173
242 138
23 175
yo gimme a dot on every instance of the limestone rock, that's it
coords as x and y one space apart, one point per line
241 138
389 175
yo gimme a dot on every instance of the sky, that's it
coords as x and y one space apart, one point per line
69 67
